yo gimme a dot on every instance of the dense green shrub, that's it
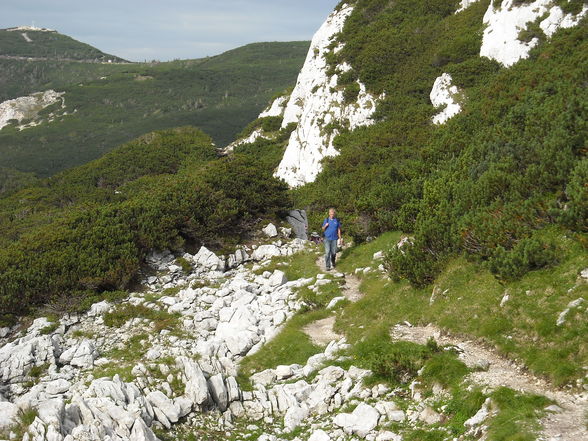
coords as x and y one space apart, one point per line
575 212
526 255
484 183
412 262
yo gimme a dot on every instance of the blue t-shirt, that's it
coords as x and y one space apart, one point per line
331 230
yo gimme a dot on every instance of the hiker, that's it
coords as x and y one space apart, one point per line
332 231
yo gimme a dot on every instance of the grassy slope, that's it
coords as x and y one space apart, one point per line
49 45
219 95
525 328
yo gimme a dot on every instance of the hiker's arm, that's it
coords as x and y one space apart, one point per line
325 225
339 232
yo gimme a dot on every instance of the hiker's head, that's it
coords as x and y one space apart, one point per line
332 213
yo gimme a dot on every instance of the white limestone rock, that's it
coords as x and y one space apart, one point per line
276 108
140 432
388 436
561 319
208 260
265 378
159 401
196 387
19 356
218 391
360 422
294 417
464 4
99 308
504 23
444 93
82 355
265 252
52 412
8 415
58 386
28 107
319 435
430 416
313 104
278 278
480 415
270 230
335 301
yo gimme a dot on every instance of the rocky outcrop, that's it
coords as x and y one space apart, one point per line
445 94
276 108
27 107
316 102
299 222
505 21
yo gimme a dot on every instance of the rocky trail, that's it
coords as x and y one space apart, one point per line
565 421
322 331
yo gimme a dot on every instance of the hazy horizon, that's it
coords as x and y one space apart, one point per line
149 30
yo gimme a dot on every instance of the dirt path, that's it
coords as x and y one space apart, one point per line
321 332
567 424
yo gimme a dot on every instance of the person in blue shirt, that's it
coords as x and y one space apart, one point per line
332 231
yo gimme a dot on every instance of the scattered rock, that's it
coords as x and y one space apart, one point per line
430 416
299 222
270 230
572 305
360 422
82 355
294 417
8 415
480 416
218 391
319 435
278 278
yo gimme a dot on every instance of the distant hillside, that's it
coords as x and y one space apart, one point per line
109 104
31 43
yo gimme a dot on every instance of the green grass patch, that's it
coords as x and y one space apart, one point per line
49 328
25 419
123 313
123 359
361 256
79 333
298 266
518 416
398 363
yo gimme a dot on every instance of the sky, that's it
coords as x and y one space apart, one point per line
139 30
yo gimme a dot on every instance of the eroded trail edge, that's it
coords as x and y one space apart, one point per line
567 422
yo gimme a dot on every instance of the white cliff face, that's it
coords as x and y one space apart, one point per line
503 24
444 93
27 107
276 108
314 104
